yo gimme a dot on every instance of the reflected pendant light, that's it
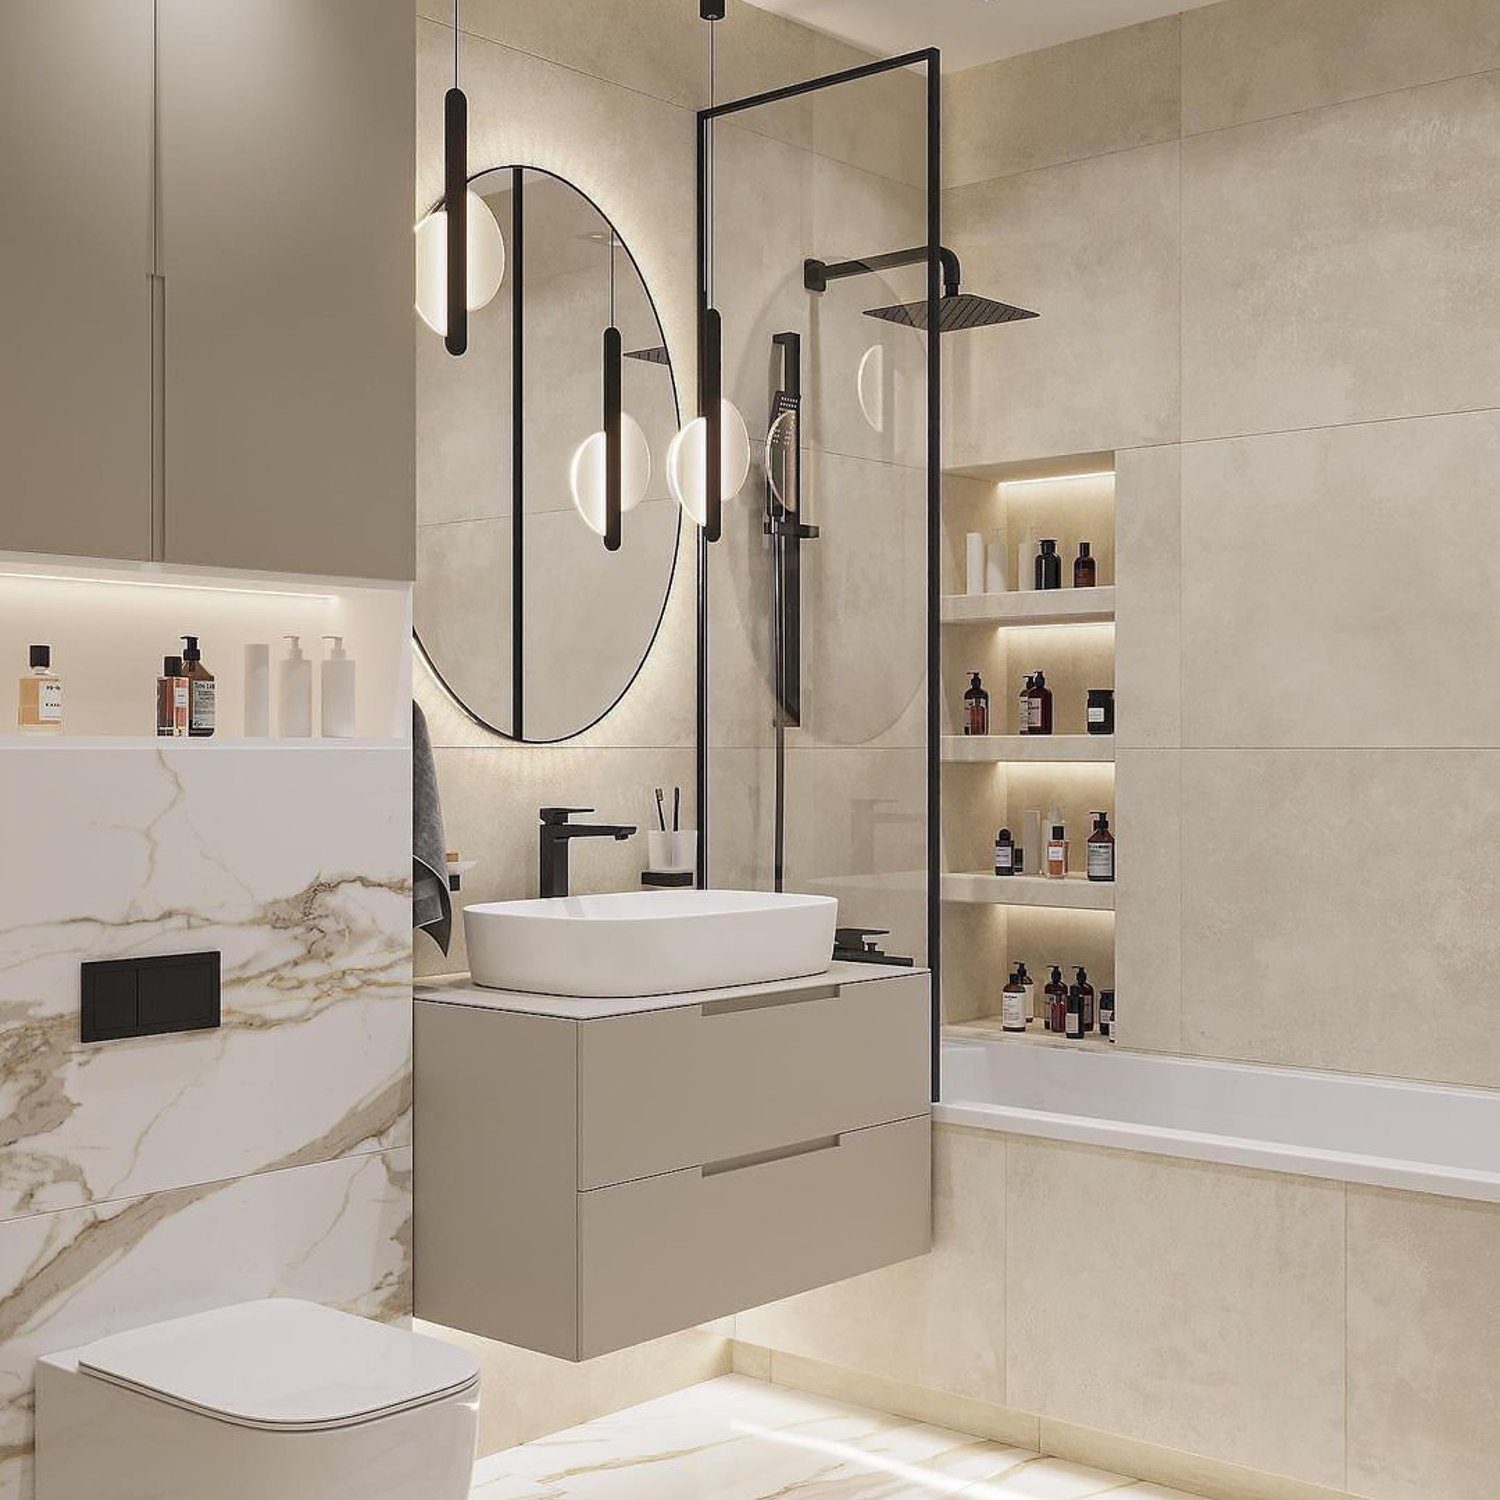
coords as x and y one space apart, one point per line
460 250
611 469
709 459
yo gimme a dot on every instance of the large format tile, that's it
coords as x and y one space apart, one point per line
1104 93
1148 899
336 1232
1356 538
295 867
1148 590
1246 60
937 1322
1424 1347
1093 248
1334 263
1327 892
1193 1306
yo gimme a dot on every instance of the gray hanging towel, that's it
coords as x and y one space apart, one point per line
432 902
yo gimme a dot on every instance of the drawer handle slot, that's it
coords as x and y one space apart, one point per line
780 1153
766 1002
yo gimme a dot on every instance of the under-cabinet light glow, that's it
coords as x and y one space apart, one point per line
153 583
1059 478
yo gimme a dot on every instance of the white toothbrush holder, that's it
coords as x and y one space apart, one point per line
672 853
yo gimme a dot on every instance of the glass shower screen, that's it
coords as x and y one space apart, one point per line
818 241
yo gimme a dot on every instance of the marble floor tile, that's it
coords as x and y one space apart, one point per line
740 1439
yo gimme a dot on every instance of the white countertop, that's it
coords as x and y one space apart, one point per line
461 990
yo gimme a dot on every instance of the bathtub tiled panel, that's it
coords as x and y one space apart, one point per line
1424 1347
336 1232
1184 1304
295 865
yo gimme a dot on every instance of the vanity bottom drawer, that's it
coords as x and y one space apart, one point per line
672 1251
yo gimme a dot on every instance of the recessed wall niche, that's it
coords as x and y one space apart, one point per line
110 626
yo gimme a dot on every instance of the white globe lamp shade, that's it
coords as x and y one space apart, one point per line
486 262
687 461
588 472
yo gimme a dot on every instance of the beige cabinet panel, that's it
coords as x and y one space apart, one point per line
286 165
676 1250
729 1077
75 264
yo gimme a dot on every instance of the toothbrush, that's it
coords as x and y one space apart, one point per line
676 809
661 811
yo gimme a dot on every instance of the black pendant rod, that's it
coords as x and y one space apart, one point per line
456 202
613 355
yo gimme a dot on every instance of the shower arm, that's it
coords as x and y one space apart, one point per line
816 274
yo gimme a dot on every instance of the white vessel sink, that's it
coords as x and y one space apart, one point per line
648 942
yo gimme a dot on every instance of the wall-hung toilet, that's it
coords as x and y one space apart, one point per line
267 1399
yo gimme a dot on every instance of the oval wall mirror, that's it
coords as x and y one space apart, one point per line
530 623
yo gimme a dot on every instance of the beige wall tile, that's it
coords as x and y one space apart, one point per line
1148 589
1093 248
938 1321
1148 899
1424 1347
1327 893
1103 93
1357 539
1249 59
1332 263
1188 1305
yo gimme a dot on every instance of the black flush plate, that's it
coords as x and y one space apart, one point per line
127 997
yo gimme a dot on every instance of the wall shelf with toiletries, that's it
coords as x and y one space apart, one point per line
131 654
1073 892
1088 606
1031 555
989 748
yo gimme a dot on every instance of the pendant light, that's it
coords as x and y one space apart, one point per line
611 469
460 250
708 461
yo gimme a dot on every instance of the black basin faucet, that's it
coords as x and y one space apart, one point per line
556 833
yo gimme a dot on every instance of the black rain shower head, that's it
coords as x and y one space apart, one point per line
957 311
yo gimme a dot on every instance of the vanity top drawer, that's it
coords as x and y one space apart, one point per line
703 1083
680 1249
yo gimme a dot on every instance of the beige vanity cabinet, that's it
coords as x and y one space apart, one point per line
75 268
287 148
594 1174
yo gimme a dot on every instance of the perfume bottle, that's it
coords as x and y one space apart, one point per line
1084 567
171 700
39 707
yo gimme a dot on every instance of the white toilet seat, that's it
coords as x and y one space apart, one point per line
282 1366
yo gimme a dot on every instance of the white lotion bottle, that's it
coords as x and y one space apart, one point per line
294 692
257 692
337 703
995 557
974 563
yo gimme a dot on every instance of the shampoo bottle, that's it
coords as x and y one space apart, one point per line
294 692
337 703
1086 998
1055 998
202 690
976 707
1101 864
1030 986
1048 566
1023 706
1073 1019
1039 706
1013 1005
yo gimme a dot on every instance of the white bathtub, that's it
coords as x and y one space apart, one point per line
1424 1138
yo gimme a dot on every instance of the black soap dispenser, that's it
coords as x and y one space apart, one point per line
976 707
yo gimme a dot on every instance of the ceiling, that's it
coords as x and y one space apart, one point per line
970 32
